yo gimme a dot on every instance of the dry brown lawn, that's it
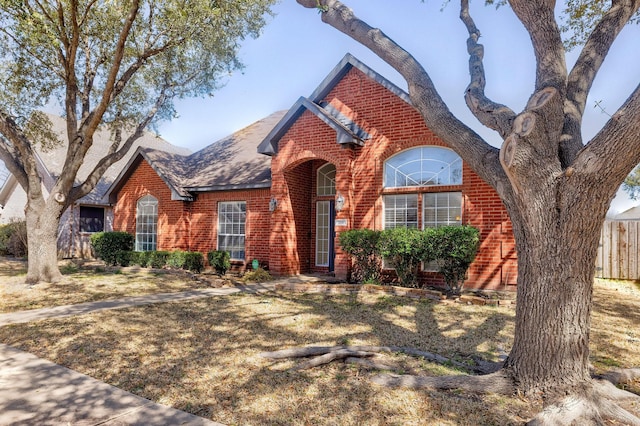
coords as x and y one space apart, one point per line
85 283
202 356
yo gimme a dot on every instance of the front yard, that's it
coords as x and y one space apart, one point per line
202 356
88 283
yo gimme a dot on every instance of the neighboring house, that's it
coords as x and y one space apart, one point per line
89 214
355 154
632 213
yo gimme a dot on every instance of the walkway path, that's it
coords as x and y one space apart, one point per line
34 391
85 308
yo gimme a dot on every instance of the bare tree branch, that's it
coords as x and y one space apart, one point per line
81 137
585 70
616 146
85 15
96 117
493 115
25 169
538 18
116 154
13 162
479 155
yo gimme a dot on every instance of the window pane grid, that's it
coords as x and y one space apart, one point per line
401 211
231 228
440 209
423 166
323 232
146 223
326 183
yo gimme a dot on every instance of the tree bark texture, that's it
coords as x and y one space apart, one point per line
42 240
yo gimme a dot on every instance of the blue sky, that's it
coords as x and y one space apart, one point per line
297 50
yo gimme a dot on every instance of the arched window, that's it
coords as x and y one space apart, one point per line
423 166
147 223
326 183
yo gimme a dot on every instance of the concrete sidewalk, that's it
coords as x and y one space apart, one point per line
34 391
85 308
38 392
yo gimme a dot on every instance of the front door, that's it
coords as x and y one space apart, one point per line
325 233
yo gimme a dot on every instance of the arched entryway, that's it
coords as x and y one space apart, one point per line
304 222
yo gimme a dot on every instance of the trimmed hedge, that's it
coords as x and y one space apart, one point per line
219 260
177 259
140 258
362 245
13 238
453 248
107 245
189 260
158 259
404 249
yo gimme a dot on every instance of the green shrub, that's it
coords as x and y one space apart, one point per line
107 245
219 260
363 246
177 259
13 238
140 258
404 249
453 248
124 257
194 261
158 259
189 260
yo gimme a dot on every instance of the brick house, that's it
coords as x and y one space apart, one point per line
90 213
354 154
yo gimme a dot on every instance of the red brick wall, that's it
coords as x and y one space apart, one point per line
193 225
394 126
173 216
204 222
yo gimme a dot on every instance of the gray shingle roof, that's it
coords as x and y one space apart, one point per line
53 159
233 162
230 163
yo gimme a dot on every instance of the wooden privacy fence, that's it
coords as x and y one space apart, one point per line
618 255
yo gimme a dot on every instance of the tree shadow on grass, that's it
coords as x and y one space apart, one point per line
202 357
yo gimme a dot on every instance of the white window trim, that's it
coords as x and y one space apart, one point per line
322 175
421 158
233 235
148 244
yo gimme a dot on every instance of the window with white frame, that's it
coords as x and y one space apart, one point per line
423 166
401 211
147 223
441 208
326 182
231 228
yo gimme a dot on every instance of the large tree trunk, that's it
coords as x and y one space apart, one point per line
42 241
551 342
557 234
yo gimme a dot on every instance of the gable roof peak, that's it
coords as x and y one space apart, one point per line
343 67
347 132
